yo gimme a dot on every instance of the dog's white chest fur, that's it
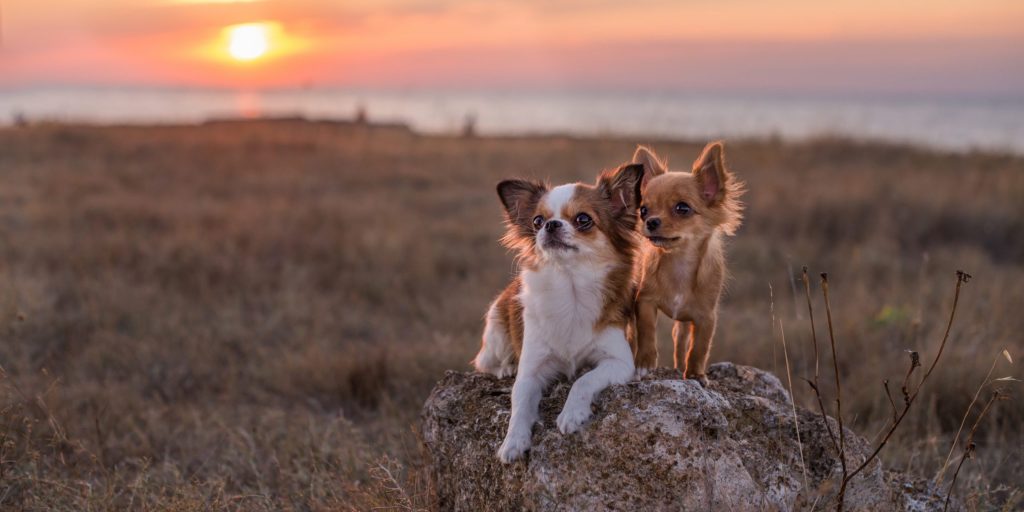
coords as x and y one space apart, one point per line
561 305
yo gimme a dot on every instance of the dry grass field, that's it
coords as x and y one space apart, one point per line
248 316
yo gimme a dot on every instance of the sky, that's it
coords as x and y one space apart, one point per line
954 47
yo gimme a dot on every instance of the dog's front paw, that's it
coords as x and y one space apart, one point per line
506 370
640 373
514 446
646 358
572 418
699 377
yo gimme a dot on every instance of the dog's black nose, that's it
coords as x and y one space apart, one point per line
653 223
552 225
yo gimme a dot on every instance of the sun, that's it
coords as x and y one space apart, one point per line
249 41
253 46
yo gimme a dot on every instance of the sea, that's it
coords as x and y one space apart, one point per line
955 124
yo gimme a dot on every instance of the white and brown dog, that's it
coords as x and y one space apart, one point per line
570 305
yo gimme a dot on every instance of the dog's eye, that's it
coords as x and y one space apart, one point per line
583 221
538 221
683 209
643 212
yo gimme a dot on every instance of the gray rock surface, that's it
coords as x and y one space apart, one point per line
657 444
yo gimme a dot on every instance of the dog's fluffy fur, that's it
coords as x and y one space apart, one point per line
570 304
683 216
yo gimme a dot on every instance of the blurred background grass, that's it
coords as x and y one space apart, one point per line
249 315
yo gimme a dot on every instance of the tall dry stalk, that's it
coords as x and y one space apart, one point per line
961 278
792 402
839 387
909 395
969 446
814 382
967 413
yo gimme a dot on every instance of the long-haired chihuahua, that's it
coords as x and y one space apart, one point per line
684 217
571 302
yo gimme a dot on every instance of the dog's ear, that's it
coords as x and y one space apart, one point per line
712 176
653 166
622 187
520 198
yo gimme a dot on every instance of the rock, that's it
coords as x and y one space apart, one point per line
657 444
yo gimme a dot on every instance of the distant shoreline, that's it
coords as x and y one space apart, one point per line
958 125
405 128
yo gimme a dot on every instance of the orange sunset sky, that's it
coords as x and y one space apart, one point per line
910 46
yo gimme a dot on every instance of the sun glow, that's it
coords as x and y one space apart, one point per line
249 41
256 51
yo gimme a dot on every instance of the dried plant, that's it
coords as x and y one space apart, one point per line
969 446
792 403
839 387
1005 354
813 382
910 393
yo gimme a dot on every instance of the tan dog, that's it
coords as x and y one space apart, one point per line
684 215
